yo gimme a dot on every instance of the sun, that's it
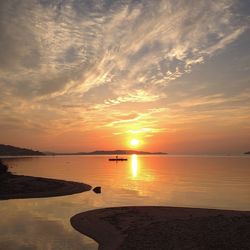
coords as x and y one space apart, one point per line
134 142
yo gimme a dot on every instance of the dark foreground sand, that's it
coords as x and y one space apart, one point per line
20 186
165 228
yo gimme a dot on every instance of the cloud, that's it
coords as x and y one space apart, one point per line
34 229
96 56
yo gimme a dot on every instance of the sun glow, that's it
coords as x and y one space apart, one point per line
134 142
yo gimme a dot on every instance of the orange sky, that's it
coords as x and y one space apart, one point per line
77 76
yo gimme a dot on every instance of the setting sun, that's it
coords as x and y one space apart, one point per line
134 142
148 102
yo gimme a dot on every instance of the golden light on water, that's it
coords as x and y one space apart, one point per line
134 166
138 172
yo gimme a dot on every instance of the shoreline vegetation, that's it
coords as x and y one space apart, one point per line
8 150
20 186
165 228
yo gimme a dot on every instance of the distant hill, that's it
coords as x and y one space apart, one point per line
120 152
7 150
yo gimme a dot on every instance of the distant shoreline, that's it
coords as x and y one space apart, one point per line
20 186
165 228
6 157
8 150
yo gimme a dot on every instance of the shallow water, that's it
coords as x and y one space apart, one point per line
205 181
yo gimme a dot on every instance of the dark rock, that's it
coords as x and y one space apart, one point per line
97 190
3 168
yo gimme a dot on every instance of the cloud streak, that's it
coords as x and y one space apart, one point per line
106 56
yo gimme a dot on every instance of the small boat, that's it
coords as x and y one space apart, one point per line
118 159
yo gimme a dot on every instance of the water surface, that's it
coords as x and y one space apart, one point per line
205 181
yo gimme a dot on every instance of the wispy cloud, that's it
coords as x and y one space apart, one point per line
97 58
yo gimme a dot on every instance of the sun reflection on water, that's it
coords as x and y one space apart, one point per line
134 166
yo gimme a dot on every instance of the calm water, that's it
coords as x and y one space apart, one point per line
210 182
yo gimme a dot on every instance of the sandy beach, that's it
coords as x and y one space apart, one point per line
165 228
20 186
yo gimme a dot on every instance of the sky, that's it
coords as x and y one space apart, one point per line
82 75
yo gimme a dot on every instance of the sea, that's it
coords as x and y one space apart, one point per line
221 182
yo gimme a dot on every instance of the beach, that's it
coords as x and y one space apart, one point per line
165 228
45 223
21 186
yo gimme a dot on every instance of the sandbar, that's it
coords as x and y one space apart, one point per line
165 228
20 186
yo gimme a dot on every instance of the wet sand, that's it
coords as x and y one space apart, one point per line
20 186
165 228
